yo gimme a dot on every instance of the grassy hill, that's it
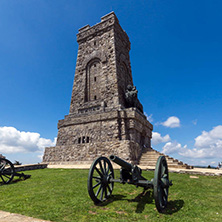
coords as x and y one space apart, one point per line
61 195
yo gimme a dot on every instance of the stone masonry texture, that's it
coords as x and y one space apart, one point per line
99 122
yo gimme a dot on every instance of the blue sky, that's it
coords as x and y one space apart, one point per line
176 64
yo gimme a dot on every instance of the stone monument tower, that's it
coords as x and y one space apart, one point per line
105 115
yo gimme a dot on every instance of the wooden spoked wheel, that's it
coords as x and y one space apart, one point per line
99 185
7 171
161 184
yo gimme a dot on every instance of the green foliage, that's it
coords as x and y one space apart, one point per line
61 195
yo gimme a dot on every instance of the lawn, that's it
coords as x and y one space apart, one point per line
61 195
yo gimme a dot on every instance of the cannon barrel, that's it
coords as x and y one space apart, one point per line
121 162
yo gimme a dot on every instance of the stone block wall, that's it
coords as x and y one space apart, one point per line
124 133
86 153
127 124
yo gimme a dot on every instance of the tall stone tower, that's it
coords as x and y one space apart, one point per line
102 120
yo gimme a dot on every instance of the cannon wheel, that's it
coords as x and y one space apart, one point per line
7 171
161 184
99 185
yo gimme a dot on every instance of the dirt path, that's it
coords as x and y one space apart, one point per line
10 217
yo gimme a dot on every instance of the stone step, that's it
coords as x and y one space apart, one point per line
154 162
149 158
169 165
151 155
155 159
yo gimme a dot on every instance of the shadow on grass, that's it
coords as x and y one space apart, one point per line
112 199
142 199
173 206
146 197
13 181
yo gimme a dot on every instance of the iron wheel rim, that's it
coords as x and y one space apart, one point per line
161 184
99 185
7 171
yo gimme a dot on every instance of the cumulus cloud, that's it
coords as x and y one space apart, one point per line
157 138
177 148
207 146
172 147
172 122
199 153
212 138
15 141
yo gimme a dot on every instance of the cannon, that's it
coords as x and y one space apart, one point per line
101 179
8 172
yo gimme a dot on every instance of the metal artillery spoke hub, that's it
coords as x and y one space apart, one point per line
101 179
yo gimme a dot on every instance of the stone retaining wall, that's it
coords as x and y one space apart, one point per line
30 167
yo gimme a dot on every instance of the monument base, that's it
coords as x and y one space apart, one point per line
82 138
86 153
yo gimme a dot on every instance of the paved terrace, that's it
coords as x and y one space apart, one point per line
195 170
200 171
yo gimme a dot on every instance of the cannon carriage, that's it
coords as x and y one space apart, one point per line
101 179
8 172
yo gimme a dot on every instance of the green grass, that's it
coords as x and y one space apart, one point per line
61 195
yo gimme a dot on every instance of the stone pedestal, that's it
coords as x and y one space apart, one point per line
124 133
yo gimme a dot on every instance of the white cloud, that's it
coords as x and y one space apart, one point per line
172 147
149 117
15 141
199 153
177 148
212 138
40 156
157 138
172 122
207 146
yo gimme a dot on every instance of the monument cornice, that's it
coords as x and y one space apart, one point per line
107 22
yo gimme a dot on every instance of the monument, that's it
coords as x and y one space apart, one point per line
105 115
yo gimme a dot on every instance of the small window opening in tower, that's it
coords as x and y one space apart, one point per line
87 139
79 140
83 139
94 42
94 97
94 79
94 65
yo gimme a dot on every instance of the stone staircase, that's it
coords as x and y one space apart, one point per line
150 156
